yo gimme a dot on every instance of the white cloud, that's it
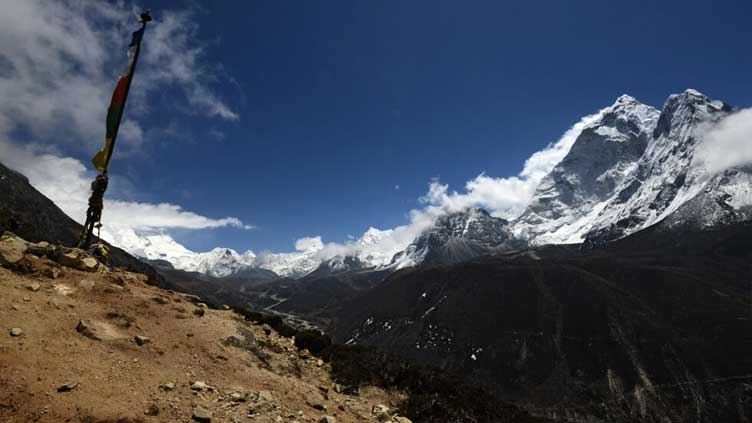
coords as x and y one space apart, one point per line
726 144
309 244
507 197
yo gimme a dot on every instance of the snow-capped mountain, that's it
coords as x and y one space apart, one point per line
457 237
223 262
633 168
291 265
219 262
665 178
604 154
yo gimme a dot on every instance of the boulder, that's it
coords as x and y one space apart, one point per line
34 287
41 249
99 331
77 259
12 249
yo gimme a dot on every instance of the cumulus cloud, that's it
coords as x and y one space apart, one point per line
309 244
59 62
507 197
726 144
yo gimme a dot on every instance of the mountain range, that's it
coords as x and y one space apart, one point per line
629 168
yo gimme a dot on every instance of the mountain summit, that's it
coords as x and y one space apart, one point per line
457 237
590 175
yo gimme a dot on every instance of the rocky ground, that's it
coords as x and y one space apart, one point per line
99 345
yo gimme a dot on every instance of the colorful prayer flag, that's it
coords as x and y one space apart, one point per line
101 160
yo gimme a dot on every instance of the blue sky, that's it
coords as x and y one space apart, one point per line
340 102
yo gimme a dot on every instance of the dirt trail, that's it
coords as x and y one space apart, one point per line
252 373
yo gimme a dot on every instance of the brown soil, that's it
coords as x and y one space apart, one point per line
120 381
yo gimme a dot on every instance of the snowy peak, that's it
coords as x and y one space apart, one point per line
602 156
685 109
630 170
373 236
457 237
221 262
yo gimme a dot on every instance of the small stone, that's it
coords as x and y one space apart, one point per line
161 300
67 387
317 406
319 363
381 412
202 305
141 340
26 299
192 298
327 419
87 284
153 410
265 396
167 386
262 407
52 272
201 414
199 312
239 396
16 332
199 386
34 287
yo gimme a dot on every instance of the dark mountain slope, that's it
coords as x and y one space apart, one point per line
656 327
